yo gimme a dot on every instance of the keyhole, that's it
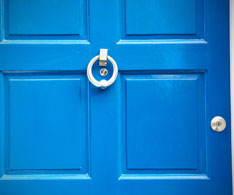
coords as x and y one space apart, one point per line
103 72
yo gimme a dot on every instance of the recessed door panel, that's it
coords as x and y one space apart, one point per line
160 137
173 17
30 17
47 124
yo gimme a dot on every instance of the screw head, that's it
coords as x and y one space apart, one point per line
103 72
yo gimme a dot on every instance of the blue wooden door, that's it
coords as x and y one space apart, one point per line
149 132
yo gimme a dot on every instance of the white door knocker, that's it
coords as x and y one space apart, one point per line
103 57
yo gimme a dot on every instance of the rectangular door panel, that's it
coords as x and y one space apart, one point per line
30 17
46 124
162 19
141 17
164 123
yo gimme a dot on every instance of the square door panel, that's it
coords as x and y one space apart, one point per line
47 123
165 122
43 17
161 17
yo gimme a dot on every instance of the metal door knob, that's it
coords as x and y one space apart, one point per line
218 124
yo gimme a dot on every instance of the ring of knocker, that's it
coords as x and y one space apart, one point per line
103 83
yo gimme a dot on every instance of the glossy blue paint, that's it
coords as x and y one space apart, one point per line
141 17
153 111
149 133
43 141
29 17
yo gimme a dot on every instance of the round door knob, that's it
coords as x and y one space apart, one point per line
218 124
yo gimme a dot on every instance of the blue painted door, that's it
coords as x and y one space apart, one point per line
149 132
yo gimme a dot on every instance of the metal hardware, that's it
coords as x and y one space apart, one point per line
103 57
103 72
103 83
218 124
